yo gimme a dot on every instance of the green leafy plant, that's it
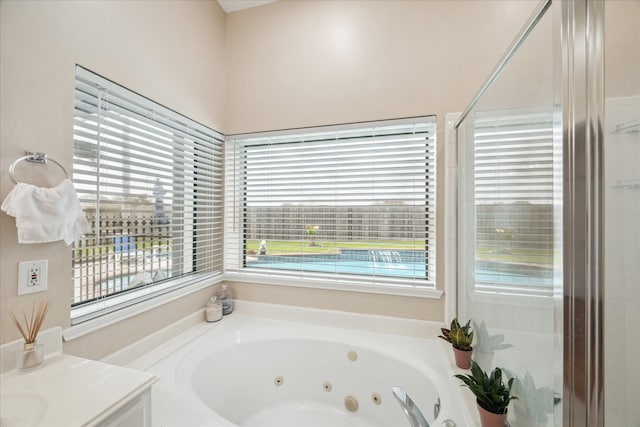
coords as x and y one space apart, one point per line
312 231
460 337
490 391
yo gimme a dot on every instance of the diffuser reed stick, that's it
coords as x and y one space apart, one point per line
31 327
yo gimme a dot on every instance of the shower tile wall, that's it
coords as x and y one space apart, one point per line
622 262
622 214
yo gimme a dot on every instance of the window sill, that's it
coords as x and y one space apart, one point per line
400 288
95 324
522 299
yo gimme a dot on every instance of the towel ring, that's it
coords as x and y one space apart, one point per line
41 158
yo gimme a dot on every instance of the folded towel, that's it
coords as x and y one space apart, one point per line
46 214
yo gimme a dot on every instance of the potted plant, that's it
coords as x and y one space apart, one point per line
461 338
312 231
492 394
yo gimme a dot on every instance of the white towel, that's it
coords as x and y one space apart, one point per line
46 214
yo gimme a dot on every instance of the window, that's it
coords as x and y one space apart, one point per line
150 183
514 194
350 203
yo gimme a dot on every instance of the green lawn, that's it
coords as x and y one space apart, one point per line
277 247
528 256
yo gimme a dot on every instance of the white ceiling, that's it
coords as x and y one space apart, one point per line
234 5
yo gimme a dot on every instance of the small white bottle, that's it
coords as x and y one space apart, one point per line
213 310
225 295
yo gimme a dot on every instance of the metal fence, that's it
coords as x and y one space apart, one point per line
336 223
521 226
129 252
517 226
135 250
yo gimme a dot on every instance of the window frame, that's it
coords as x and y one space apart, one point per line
139 299
235 201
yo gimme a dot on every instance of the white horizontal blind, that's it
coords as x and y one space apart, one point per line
353 202
150 183
514 184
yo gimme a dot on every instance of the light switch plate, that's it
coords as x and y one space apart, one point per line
32 276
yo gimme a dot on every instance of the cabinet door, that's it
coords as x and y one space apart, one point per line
136 413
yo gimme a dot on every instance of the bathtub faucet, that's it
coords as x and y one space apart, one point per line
416 419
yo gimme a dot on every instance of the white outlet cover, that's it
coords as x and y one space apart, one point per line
25 285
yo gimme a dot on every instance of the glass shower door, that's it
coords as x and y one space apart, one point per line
510 225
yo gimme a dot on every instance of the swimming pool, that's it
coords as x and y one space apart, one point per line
350 267
403 264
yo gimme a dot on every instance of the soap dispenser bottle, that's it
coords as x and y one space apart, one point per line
225 296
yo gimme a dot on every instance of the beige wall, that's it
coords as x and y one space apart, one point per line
290 64
306 63
170 51
354 302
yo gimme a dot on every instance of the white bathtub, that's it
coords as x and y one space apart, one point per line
256 372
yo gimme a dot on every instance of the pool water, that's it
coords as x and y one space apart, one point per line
502 277
350 267
411 270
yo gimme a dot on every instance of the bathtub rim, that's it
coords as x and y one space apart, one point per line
144 353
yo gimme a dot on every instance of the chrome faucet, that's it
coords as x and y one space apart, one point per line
416 419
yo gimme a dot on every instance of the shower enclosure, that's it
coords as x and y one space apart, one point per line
548 188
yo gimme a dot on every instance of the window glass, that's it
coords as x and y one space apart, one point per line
514 167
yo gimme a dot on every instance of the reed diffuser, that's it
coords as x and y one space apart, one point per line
33 353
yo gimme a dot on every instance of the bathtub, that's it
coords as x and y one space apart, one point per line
258 372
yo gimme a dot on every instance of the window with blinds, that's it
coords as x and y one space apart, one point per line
514 195
352 203
150 183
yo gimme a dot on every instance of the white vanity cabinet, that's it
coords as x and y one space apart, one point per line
72 391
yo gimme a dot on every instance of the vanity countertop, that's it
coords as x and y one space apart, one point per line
68 391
